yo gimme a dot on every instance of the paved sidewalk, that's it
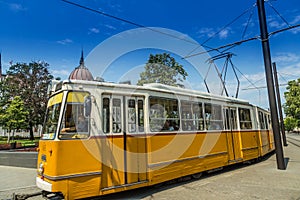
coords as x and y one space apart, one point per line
16 180
256 181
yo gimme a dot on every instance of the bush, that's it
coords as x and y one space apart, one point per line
290 123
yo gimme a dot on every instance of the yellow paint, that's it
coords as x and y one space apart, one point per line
56 99
155 158
76 97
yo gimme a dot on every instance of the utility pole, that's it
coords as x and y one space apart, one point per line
279 105
270 83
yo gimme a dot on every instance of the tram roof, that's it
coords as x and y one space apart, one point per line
157 87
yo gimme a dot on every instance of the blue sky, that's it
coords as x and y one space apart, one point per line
55 32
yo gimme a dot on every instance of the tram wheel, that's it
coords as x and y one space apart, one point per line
197 176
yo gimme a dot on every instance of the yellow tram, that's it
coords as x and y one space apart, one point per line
101 138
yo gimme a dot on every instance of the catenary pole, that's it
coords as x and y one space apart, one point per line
279 105
270 83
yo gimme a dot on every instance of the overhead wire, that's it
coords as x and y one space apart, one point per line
219 31
248 22
227 46
128 21
276 11
227 25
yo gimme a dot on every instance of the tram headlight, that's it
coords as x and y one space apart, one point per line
41 169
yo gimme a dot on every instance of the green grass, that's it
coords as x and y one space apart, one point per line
24 142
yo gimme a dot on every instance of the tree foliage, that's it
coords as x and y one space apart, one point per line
30 82
292 97
163 68
290 123
15 115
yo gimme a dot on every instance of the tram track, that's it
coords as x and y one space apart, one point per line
293 141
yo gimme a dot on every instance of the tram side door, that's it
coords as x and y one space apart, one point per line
233 135
124 147
136 145
112 145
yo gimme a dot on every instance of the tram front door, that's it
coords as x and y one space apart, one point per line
124 155
233 135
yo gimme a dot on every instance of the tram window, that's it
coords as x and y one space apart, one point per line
116 114
141 115
267 120
230 119
245 118
233 119
191 115
213 117
74 124
163 114
262 121
133 121
105 111
226 119
131 116
50 126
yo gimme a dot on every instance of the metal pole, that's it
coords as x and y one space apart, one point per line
270 83
279 105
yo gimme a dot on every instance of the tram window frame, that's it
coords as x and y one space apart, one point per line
262 120
131 117
163 114
191 120
245 118
116 115
135 115
267 121
213 116
106 115
53 111
230 118
141 115
74 125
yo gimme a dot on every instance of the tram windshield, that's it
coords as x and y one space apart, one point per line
52 115
75 125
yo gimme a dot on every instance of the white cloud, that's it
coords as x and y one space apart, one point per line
206 32
94 30
291 71
210 32
60 73
276 24
110 27
285 57
65 41
296 20
16 7
224 34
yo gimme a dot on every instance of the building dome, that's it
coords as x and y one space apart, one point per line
81 72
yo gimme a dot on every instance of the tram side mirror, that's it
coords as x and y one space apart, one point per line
87 106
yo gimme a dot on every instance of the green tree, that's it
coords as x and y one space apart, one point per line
30 82
290 123
15 115
163 68
292 98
